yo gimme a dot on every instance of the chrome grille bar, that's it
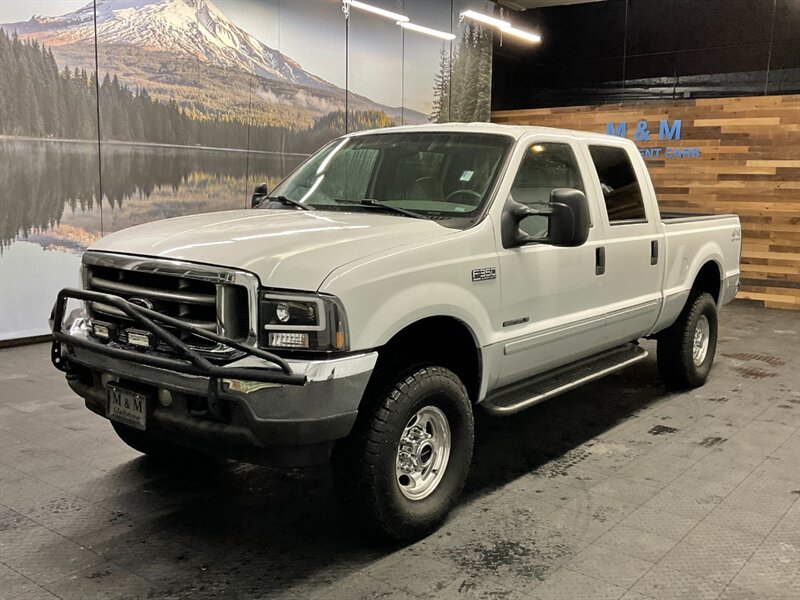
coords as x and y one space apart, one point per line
211 299
138 290
109 310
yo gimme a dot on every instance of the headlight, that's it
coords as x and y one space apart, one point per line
301 322
290 312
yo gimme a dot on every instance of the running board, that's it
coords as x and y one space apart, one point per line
519 396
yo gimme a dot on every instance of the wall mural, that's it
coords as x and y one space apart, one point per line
198 102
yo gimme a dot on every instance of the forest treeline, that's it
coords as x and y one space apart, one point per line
37 99
462 86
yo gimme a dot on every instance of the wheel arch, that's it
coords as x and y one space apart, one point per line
443 340
709 279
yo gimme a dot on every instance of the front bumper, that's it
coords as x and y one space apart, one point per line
246 419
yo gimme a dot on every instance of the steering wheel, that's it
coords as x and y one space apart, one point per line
468 192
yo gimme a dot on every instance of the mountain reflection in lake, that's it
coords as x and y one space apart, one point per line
50 189
50 192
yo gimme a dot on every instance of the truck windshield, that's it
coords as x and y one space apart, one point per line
441 174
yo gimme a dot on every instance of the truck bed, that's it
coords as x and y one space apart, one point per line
690 240
684 217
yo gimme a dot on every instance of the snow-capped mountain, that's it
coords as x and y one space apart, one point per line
159 45
188 27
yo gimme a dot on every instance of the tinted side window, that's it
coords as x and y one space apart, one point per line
544 168
621 189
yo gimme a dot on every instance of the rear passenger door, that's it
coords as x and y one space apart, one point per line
630 261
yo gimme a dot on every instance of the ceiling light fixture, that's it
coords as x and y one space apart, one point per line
525 35
503 26
482 18
427 30
377 11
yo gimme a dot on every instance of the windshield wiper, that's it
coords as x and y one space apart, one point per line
289 201
377 204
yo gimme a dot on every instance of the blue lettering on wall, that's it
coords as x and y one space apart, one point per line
682 152
642 133
667 130
620 130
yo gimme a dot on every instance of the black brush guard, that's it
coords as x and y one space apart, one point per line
191 362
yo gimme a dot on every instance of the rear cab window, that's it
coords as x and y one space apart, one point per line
620 186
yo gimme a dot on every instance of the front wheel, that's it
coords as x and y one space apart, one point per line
405 463
686 348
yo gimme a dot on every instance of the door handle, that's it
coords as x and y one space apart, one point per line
654 252
599 261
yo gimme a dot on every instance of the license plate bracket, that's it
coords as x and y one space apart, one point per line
127 407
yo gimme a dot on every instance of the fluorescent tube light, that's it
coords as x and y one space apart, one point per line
375 10
476 16
525 35
503 26
427 30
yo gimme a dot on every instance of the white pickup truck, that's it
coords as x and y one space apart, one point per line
394 283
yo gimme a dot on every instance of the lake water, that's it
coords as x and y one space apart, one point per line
52 207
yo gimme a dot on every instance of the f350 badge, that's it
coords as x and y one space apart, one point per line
484 274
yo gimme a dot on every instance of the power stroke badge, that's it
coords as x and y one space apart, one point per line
484 274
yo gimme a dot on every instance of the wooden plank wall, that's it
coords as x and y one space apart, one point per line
749 164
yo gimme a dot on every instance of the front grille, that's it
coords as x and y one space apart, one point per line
220 308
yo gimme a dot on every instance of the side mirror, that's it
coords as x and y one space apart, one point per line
261 192
567 215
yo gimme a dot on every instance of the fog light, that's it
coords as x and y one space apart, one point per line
138 338
103 330
288 340
106 378
164 397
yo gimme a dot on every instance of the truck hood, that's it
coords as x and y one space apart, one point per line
287 249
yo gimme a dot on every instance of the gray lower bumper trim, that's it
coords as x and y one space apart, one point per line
263 414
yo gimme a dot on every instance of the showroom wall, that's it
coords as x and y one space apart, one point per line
633 50
726 155
198 101
727 70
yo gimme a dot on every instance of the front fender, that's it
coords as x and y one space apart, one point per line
411 305
384 294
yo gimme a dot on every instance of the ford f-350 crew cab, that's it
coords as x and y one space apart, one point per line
392 284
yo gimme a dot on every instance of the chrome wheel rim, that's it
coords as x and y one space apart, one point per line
423 453
700 343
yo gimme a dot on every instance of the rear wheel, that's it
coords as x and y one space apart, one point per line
405 463
686 349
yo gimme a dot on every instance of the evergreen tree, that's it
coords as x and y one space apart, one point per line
459 76
469 76
441 89
5 81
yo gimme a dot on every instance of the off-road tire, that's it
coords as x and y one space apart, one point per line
676 343
364 463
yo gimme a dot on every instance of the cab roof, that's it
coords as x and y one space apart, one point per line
515 131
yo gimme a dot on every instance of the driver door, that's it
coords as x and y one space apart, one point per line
551 310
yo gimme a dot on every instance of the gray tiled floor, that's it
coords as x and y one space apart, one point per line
616 490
